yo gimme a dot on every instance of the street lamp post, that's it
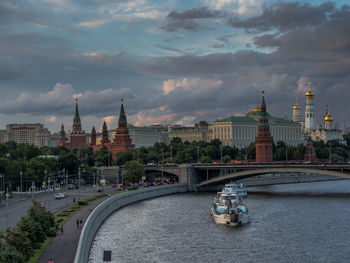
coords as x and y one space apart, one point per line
220 153
67 187
20 193
171 153
33 187
162 165
197 154
48 193
79 183
7 206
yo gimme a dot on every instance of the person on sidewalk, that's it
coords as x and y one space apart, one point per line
50 261
77 223
61 230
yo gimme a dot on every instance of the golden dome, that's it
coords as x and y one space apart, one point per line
328 116
296 106
257 108
309 93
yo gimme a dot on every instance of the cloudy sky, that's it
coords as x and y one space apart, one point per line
175 61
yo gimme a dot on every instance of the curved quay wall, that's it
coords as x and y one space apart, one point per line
105 209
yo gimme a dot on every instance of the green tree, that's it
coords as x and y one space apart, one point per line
226 159
134 171
205 159
8 254
18 240
251 151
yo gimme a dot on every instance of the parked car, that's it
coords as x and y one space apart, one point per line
70 186
42 205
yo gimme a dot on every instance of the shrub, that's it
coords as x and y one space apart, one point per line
82 202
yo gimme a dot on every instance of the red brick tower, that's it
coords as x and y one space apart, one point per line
104 134
310 153
77 138
93 136
62 140
122 140
263 140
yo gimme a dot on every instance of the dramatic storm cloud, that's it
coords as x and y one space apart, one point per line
171 62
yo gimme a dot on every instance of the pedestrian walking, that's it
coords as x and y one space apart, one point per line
81 221
61 230
50 261
77 223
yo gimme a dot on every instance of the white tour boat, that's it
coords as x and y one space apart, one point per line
228 207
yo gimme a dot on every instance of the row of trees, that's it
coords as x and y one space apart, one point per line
33 162
18 243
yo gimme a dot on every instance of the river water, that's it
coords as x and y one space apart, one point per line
307 222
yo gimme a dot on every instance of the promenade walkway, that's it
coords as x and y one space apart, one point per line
63 247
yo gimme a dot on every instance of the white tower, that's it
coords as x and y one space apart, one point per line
310 123
296 112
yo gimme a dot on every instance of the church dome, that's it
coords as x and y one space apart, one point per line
296 106
328 116
309 93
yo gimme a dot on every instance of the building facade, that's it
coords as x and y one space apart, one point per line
196 133
240 131
34 134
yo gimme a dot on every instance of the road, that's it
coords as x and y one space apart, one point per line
11 214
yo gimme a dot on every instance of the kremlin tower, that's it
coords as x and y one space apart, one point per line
62 140
77 138
310 123
122 141
263 140
93 136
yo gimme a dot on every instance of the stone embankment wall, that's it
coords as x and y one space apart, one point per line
105 209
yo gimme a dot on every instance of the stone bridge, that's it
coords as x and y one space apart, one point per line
200 176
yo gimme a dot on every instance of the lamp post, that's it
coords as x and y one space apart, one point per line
33 187
220 153
20 193
26 183
197 154
171 153
48 193
45 177
79 183
162 165
7 206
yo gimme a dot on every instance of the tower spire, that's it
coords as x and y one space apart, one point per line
122 117
76 120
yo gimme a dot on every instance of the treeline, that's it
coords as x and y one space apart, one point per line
33 162
17 244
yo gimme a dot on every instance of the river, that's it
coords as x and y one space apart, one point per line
307 222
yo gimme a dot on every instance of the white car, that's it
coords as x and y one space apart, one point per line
60 195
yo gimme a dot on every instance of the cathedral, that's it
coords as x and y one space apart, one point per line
326 132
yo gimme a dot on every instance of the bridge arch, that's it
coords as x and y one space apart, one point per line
251 173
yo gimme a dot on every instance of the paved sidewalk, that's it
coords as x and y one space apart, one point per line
63 247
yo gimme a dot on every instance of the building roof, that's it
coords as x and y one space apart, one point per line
253 117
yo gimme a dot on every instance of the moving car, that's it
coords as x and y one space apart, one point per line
60 195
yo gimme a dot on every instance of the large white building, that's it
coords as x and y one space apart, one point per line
34 134
240 131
